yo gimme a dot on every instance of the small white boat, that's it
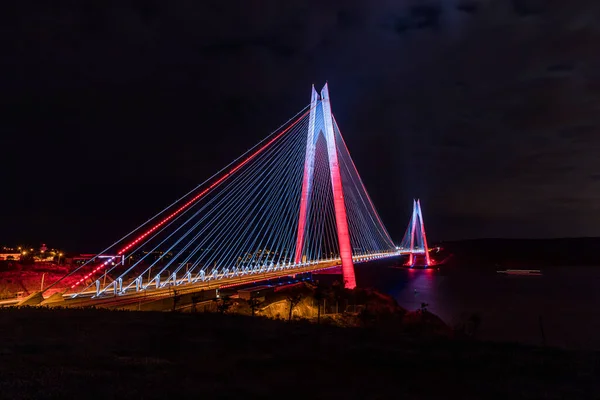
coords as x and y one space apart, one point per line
532 272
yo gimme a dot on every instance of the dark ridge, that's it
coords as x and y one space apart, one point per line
64 353
525 252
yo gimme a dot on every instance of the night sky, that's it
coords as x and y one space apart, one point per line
487 110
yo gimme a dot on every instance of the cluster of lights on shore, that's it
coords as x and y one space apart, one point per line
25 251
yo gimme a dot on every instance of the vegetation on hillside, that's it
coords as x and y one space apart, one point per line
68 353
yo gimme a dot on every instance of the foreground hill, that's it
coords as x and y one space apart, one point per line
104 354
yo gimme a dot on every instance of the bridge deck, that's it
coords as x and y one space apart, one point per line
112 300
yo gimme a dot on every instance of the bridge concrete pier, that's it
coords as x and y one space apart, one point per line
33 299
56 300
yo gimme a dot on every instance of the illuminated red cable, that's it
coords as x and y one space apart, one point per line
190 202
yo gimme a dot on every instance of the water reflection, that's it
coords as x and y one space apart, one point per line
421 286
564 298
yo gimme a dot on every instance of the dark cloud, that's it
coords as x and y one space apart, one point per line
485 109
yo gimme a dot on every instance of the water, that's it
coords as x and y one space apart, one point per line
565 298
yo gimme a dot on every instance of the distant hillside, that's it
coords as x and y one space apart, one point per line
524 252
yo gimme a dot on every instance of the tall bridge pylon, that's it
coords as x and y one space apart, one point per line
293 203
341 218
415 239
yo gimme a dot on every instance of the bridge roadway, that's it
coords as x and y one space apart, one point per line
143 299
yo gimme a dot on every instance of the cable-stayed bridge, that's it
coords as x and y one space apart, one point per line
293 203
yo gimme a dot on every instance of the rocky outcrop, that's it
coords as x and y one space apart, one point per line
306 309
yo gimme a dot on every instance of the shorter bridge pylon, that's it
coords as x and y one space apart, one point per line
415 239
